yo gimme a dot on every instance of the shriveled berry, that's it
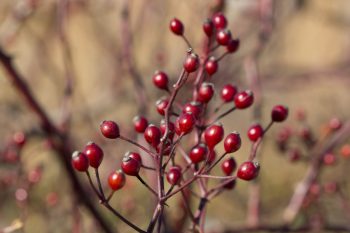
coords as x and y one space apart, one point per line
116 180
176 27
255 132
208 27
219 20
161 105
160 80
193 107
152 135
109 129
229 166
244 99
198 153
205 92
279 113
186 122
174 175
94 153
232 142
140 123
248 170
223 37
191 63
211 66
130 166
80 161
228 92
232 46
213 135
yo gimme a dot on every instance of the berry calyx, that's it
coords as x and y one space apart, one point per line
176 27
109 129
116 180
223 37
208 27
205 92
193 107
140 123
232 46
191 63
152 135
160 80
232 142
228 92
255 132
219 20
229 166
213 135
174 175
244 99
186 122
211 66
161 105
80 161
198 153
130 165
94 153
279 113
248 170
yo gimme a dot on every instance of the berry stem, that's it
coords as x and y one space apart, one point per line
216 177
146 185
93 186
110 196
187 41
222 56
148 168
187 205
216 162
254 149
268 127
221 116
99 184
138 145
172 154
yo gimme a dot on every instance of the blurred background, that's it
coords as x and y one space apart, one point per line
79 58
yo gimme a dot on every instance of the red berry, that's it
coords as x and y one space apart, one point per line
167 148
329 159
186 122
219 20
171 131
255 132
232 142
211 156
160 80
228 92
174 175
211 66
198 153
205 92
116 180
152 135
193 107
130 165
19 139
94 153
80 161
135 156
248 170
230 185
109 129
177 27
213 135
232 46
208 27
191 63
244 99
345 151
223 37
279 113
140 124
161 105
335 123
228 166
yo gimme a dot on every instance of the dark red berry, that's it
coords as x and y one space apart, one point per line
211 66
228 92
80 161
19 138
171 131
223 37
186 122
161 105
94 153
116 180
232 46
208 27
109 129
140 124
176 27
130 165
198 153
230 185
205 92
193 107
191 63
229 166
248 170
213 135
135 156
160 80
174 175
219 20
255 132
244 99
152 135
232 142
279 113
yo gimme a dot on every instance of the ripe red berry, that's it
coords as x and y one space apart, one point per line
186 122
228 92
279 113
205 92
174 175
198 153
161 105
255 132
94 153
152 135
191 63
176 27
140 124
208 27
160 80
193 107
80 161
229 166
213 135
232 142
109 129
248 170
19 138
232 46
211 66
130 165
244 99
171 131
223 37
116 180
219 20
